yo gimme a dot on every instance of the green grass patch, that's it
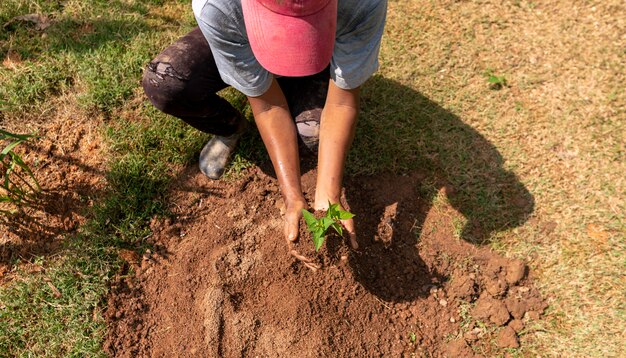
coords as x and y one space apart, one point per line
36 320
97 50
99 46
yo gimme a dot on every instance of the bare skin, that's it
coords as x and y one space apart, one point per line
279 134
337 129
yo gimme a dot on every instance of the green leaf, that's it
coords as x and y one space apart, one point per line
9 147
311 221
326 222
497 80
18 160
333 210
318 239
337 228
4 198
5 134
344 215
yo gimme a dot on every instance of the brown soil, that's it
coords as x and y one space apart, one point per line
67 163
221 283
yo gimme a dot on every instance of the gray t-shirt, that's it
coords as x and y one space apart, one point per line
360 25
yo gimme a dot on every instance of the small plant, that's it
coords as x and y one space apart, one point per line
319 227
17 182
496 82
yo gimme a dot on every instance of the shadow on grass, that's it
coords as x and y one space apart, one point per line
402 131
407 150
430 150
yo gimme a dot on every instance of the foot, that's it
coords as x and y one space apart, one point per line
216 153
308 127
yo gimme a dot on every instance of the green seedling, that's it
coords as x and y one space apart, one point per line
319 227
496 82
17 182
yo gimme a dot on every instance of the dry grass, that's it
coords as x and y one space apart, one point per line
560 125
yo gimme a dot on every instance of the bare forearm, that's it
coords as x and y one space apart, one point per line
278 131
336 134
279 135
283 149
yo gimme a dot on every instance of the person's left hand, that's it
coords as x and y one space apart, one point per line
349 226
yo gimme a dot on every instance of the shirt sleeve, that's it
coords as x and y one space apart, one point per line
355 56
225 32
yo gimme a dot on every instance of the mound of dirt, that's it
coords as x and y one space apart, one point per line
220 281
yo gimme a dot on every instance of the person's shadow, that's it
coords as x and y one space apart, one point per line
406 150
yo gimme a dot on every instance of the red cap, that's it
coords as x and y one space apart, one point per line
291 37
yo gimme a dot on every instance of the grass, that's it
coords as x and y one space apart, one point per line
100 70
543 150
556 127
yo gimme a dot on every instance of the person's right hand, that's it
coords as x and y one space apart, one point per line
293 213
278 132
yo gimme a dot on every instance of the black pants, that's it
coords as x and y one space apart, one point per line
183 80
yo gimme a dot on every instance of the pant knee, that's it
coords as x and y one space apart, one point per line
162 90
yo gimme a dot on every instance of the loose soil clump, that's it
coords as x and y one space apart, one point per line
220 281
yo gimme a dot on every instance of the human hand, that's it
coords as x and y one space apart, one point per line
292 215
348 224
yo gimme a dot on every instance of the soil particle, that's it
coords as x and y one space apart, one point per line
516 307
459 348
532 315
516 324
490 309
496 287
230 288
472 335
515 272
507 338
463 287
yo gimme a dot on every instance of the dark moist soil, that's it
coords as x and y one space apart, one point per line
220 281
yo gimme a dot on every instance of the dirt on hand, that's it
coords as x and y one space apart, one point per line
220 281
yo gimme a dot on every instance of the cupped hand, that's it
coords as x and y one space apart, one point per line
293 213
349 226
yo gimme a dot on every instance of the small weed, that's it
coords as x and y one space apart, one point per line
412 337
319 227
496 82
464 312
458 224
18 184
